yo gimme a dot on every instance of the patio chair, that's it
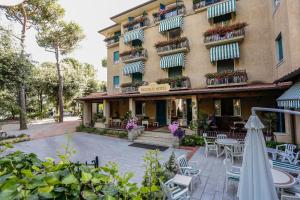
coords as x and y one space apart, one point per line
188 168
173 191
221 136
210 146
288 152
232 172
287 197
236 151
295 189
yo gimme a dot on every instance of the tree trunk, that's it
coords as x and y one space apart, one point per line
60 87
41 102
22 99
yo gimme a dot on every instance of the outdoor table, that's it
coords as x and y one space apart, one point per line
282 179
225 142
117 122
182 180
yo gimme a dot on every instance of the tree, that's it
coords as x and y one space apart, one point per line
104 62
31 13
60 38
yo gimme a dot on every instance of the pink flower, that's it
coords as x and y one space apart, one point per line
173 127
131 124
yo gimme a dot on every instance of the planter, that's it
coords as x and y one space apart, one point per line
176 142
132 134
99 125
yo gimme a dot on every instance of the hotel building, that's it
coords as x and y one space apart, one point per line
173 60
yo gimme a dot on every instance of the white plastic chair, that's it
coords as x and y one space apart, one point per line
221 136
188 168
174 192
287 197
210 146
233 173
287 153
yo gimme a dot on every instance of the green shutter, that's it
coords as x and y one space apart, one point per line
224 52
171 23
135 67
174 60
221 9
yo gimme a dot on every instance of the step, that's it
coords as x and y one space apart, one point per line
164 144
156 139
158 136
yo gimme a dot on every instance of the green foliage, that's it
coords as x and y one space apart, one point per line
272 144
104 62
24 176
192 140
153 173
103 131
170 167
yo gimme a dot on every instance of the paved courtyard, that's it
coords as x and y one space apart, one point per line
130 159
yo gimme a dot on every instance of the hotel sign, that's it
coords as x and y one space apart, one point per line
154 88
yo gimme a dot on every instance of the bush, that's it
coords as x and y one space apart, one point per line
24 176
102 131
272 144
192 140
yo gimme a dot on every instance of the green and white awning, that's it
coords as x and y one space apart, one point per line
221 9
137 34
171 23
291 97
223 52
174 60
136 67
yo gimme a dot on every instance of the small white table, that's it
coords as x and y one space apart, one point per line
145 123
225 142
182 180
282 179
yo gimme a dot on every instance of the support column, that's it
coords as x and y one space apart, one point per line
194 107
132 106
87 113
106 110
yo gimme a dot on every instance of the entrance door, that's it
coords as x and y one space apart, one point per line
161 112
189 111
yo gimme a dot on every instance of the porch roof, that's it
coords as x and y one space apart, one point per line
291 97
199 91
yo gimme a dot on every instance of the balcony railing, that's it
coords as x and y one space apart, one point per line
134 55
177 83
232 36
132 87
172 46
203 3
172 13
111 41
137 25
226 78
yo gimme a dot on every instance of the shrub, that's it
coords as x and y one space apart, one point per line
192 140
272 144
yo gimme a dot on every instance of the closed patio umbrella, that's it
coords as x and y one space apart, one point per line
256 181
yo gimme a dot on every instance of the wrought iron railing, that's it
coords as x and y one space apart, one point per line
132 87
203 3
225 36
226 78
135 55
231 134
137 26
170 47
184 84
172 13
112 40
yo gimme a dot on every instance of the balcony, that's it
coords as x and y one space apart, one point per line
112 41
128 88
169 12
137 23
176 83
173 46
226 78
223 35
201 4
134 55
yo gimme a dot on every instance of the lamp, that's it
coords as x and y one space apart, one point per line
7 3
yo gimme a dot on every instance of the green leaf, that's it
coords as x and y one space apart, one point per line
52 180
46 189
85 177
88 195
70 179
36 168
27 173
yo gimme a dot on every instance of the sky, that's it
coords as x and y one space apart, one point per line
91 15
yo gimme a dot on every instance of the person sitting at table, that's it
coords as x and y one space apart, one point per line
212 121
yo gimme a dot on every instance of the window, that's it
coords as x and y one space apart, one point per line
140 108
228 107
116 57
175 71
137 43
118 33
137 77
222 18
225 65
116 81
275 4
237 110
279 48
174 33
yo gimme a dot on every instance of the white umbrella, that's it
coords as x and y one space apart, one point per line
256 181
10 2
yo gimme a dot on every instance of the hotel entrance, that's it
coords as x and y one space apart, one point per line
161 110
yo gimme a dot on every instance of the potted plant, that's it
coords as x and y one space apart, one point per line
177 132
132 130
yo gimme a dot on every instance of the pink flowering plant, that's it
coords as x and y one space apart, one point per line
176 130
131 124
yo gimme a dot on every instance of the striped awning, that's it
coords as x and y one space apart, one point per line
223 52
134 68
137 34
174 60
221 9
171 23
291 97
